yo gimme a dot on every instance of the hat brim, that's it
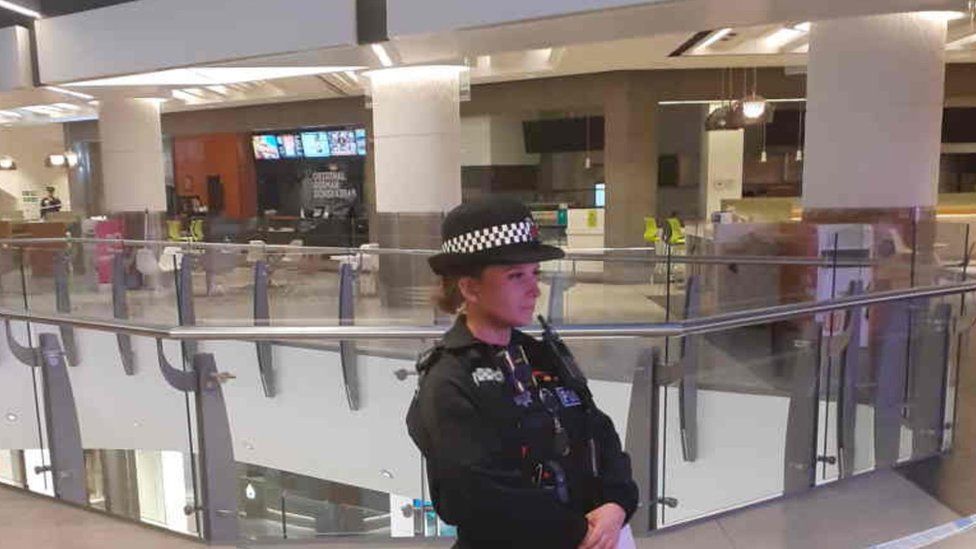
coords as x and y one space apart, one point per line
452 263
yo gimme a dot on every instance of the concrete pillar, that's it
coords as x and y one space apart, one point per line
630 157
417 169
722 167
132 155
874 112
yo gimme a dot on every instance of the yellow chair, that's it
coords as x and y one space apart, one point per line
196 230
651 233
174 229
676 236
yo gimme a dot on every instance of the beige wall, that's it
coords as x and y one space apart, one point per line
29 146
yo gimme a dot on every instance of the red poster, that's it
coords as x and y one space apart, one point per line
110 229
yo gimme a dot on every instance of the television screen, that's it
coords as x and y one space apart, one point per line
315 145
265 147
342 143
361 142
289 146
600 195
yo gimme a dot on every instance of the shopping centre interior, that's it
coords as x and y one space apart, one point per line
215 219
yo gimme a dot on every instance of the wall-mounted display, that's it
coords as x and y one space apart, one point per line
316 144
265 147
290 146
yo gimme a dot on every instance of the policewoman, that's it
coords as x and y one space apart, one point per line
517 453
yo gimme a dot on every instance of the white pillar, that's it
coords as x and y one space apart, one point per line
417 135
133 179
722 163
874 112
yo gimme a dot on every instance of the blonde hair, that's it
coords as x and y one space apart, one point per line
448 297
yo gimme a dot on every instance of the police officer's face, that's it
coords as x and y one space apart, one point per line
504 294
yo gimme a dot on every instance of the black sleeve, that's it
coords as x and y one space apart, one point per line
487 504
617 482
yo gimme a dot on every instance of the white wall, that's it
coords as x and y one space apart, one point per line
15 64
29 146
722 161
128 38
422 16
494 141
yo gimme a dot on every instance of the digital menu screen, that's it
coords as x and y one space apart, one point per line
265 147
361 142
310 144
342 143
316 144
290 146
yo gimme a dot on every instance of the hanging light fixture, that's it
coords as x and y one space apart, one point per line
724 117
588 163
752 108
762 155
799 137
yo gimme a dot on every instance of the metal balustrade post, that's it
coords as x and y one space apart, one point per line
218 504
347 349
850 371
799 472
688 386
262 316
929 367
120 310
62 295
643 422
560 283
63 432
184 303
67 465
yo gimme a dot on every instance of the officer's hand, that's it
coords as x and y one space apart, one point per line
605 523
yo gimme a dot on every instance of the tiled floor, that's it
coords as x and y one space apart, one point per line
858 513
30 522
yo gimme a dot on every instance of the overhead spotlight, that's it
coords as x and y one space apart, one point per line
754 107
67 159
722 119
7 163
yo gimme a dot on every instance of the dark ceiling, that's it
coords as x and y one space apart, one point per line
51 8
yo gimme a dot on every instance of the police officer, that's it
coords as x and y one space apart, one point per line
517 454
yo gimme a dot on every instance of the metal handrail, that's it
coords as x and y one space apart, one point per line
704 325
579 254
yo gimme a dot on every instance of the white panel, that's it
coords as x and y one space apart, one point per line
132 155
15 63
145 412
874 119
424 16
741 452
308 428
130 38
18 422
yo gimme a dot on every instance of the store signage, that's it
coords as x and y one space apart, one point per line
330 191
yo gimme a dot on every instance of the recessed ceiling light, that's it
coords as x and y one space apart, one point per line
382 55
208 76
19 9
72 93
11 417
715 37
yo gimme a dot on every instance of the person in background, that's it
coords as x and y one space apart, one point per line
518 455
50 203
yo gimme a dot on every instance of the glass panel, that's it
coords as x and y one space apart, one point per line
737 423
285 442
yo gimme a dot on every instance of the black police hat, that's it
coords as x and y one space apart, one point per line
492 231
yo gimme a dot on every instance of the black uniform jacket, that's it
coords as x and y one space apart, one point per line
483 446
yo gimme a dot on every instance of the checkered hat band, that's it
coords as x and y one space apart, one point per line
492 237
